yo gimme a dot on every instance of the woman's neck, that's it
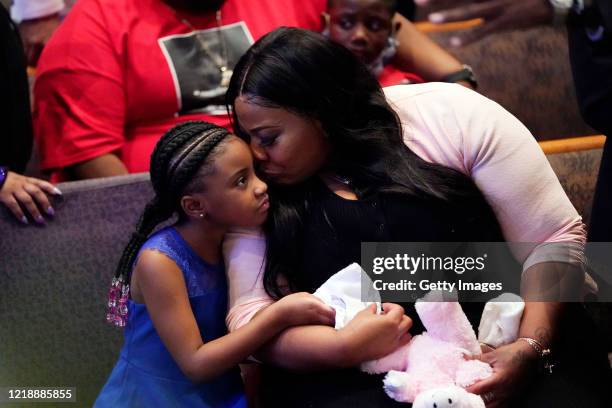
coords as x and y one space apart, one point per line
339 185
205 240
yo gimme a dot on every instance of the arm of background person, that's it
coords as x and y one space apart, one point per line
107 165
37 22
498 15
23 195
79 96
420 54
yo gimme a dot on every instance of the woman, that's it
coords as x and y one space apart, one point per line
432 162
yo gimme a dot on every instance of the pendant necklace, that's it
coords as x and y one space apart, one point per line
220 61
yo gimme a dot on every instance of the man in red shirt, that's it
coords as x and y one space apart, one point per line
118 73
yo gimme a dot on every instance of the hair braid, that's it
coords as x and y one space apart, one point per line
192 161
152 215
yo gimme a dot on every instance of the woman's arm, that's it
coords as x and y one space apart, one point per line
463 130
367 337
162 287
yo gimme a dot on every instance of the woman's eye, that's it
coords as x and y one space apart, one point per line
267 141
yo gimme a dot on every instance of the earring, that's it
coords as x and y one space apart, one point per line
201 215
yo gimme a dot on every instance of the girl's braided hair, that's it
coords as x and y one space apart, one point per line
181 158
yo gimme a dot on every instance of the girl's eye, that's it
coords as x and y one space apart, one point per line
241 182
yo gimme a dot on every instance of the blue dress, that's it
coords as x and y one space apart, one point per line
146 375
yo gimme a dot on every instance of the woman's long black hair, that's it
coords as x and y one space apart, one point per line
305 73
181 157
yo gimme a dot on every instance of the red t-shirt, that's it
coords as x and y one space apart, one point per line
393 76
117 74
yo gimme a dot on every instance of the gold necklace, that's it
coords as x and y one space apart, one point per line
220 62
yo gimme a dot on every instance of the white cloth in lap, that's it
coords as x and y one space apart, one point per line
343 292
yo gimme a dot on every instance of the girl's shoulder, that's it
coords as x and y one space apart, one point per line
170 243
166 247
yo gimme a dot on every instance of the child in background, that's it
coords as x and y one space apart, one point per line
366 28
170 291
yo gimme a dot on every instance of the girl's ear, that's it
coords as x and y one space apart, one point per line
193 206
395 28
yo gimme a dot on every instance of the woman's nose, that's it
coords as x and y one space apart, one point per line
258 152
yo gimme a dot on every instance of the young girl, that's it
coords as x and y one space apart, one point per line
169 289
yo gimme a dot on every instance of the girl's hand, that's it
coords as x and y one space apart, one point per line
28 193
513 365
370 336
299 309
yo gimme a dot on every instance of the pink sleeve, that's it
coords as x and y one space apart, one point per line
244 256
459 128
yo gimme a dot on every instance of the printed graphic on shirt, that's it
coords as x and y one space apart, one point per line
201 63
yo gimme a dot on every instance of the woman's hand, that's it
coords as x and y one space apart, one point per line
21 192
299 309
513 365
370 336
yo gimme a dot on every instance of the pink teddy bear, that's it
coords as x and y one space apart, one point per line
436 361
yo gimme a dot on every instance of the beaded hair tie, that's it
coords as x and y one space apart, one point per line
117 302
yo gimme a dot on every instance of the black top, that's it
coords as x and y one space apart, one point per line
15 114
334 231
336 227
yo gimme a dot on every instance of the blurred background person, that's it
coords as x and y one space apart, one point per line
25 197
118 73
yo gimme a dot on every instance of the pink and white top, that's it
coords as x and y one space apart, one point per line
461 129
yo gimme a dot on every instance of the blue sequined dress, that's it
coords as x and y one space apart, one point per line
146 375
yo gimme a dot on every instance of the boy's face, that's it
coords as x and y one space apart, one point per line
362 26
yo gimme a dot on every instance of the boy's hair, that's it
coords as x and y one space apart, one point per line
182 156
390 4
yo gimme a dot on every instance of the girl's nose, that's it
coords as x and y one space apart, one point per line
261 188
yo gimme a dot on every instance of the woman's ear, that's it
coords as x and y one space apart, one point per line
194 206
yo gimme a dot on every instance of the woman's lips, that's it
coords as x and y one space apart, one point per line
271 174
